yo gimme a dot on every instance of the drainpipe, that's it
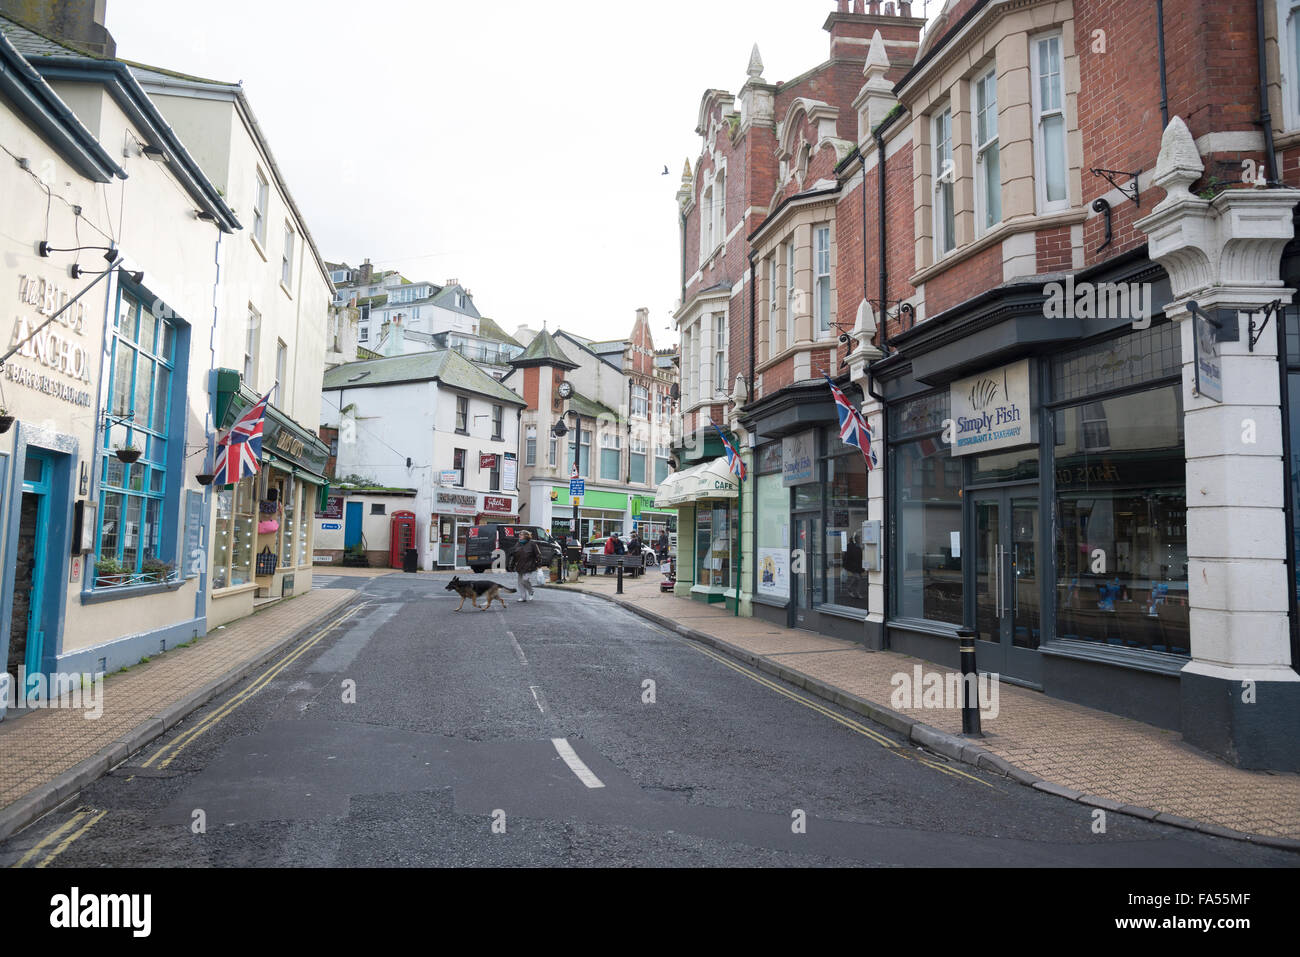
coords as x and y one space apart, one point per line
1288 494
880 239
871 381
1160 54
1265 118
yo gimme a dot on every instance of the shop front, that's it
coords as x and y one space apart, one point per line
708 547
455 512
600 514
264 525
648 522
1042 501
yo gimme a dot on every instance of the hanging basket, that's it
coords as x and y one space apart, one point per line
127 455
265 562
6 423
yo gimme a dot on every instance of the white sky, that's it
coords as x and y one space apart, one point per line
516 145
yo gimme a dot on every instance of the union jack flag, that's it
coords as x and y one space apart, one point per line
239 451
854 429
734 462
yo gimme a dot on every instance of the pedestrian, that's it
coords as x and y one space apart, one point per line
853 565
663 545
527 560
610 549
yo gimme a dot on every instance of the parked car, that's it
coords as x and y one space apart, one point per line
483 540
597 547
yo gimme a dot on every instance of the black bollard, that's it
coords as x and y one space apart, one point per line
970 698
620 576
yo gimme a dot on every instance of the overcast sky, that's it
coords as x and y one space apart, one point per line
515 145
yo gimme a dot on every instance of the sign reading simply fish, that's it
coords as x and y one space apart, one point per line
992 410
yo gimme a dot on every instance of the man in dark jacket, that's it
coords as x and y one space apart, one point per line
527 560
663 545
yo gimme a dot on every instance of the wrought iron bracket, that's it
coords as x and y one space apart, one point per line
1274 308
1109 176
1100 205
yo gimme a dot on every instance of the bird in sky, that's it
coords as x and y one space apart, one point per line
665 172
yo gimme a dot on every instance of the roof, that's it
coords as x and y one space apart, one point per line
544 350
33 97
586 346
488 329
55 61
447 367
590 408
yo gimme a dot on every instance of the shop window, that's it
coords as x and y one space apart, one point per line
846 510
1121 561
234 534
714 544
288 523
773 535
130 547
1133 359
306 526
925 515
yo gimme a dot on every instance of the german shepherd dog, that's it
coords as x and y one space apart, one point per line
471 590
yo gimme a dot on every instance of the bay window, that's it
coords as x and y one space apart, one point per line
1049 123
988 173
945 231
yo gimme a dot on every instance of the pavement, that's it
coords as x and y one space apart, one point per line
1075 752
47 755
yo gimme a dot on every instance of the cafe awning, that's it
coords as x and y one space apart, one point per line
710 480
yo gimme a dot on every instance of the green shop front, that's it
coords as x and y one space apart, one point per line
262 526
600 513
648 521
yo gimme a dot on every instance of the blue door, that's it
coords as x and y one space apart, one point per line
352 525
26 635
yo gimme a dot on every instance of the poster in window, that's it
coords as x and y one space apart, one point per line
510 472
1209 368
774 572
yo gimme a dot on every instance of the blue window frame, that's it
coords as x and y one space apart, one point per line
132 496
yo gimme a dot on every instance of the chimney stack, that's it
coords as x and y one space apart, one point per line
79 23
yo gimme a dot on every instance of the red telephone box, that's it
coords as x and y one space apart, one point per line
401 537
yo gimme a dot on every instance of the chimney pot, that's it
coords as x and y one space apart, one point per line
873 7
904 8
857 6
843 6
889 8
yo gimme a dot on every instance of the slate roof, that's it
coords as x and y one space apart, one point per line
544 350
488 329
588 408
447 367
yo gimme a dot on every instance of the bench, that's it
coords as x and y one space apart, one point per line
630 563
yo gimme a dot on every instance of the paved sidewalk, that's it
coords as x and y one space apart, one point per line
49 754
1080 753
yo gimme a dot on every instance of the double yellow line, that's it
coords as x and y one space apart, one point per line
85 816
893 747
174 747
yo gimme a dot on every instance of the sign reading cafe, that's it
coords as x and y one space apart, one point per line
53 346
992 410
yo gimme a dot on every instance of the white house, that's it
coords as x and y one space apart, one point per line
434 422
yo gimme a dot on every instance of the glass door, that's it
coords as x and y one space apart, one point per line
805 579
26 634
1007 587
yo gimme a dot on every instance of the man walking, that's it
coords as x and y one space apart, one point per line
527 560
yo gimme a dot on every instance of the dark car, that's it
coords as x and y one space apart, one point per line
483 540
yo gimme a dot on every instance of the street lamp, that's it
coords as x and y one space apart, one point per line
560 430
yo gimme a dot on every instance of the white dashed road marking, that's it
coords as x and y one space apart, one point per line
575 763
518 651
537 696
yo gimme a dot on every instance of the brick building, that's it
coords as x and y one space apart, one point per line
1060 307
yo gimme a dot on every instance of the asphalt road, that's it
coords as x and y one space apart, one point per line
411 734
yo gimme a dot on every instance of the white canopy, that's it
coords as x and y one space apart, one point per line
710 480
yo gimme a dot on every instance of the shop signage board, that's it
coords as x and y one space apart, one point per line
487 460
58 347
447 478
501 504
457 503
992 410
1209 365
333 507
798 458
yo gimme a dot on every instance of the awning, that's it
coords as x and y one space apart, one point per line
710 480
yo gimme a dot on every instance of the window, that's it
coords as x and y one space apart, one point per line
1288 18
846 510
945 232
286 259
498 422
661 464
706 225
988 174
720 352
787 328
582 454
720 208
259 209
364 334
494 475
132 496
640 401
611 446
530 447
1049 123
281 361
823 279
458 463
378 508
288 523
554 451
251 335
234 534
636 461
462 414
926 513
